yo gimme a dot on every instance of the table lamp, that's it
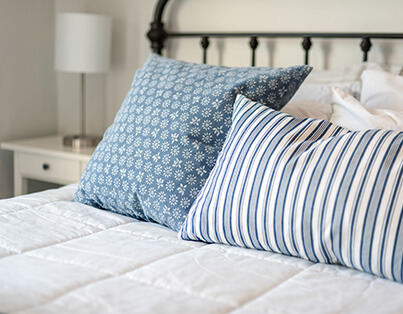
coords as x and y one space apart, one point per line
83 45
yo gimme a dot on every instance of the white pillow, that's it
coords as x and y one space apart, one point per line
309 109
318 85
322 92
349 113
313 98
382 90
348 74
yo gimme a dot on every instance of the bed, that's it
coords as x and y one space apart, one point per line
221 190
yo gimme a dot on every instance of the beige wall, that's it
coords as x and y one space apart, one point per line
27 80
105 93
26 63
288 15
131 20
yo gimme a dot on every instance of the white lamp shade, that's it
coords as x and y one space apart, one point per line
83 43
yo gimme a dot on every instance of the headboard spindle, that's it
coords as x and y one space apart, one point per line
307 44
253 43
205 42
365 47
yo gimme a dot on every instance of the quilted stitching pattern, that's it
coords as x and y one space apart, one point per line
75 270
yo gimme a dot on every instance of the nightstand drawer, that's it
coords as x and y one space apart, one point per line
40 167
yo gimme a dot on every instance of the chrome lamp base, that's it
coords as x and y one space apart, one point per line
81 141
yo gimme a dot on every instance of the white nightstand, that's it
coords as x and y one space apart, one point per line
46 159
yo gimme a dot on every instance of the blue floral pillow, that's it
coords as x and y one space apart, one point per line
156 156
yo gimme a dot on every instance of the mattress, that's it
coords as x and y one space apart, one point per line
57 256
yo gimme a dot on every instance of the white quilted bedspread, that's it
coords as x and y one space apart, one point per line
62 257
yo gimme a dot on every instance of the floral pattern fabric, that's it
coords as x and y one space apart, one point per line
156 156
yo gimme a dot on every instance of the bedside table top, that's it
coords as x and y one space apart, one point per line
49 145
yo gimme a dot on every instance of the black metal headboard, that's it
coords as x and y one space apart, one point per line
158 35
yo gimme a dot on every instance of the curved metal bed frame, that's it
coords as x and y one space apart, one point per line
158 36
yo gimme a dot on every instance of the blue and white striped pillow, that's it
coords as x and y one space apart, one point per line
306 188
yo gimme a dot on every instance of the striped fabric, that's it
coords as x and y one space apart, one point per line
306 188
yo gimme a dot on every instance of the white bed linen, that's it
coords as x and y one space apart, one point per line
62 257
